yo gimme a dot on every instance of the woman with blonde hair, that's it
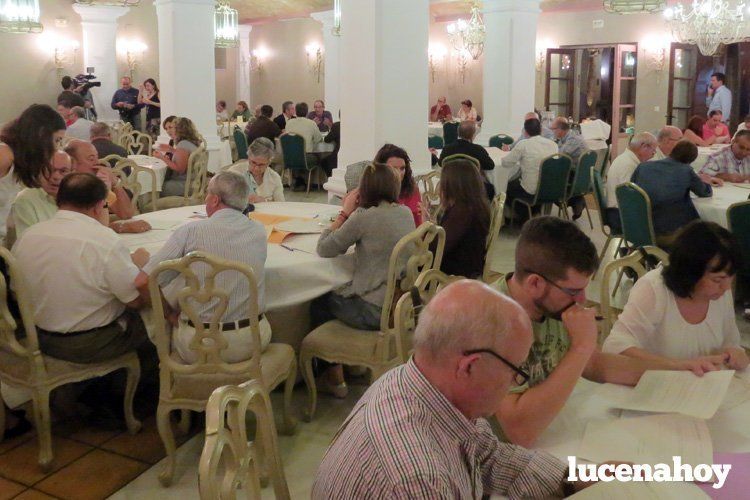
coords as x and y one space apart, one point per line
186 141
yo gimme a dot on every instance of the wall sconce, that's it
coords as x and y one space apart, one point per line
541 56
63 50
437 53
134 54
462 61
314 59
655 50
257 57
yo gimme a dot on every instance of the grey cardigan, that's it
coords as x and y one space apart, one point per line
374 233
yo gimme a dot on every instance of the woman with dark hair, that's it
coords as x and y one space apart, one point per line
398 159
149 95
27 145
694 132
373 221
186 141
464 213
682 317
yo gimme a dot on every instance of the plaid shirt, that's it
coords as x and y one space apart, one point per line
724 162
404 439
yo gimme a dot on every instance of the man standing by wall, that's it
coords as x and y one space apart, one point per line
719 96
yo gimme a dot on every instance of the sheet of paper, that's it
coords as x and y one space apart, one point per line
165 225
683 392
653 439
615 490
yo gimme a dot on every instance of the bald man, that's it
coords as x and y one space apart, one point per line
546 132
666 140
418 432
85 160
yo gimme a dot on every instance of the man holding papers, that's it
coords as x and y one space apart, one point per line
682 317
554 264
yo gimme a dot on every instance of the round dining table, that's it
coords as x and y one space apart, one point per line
155 164
294 273
714 208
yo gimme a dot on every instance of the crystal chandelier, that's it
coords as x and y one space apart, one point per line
634 6
336 30
117 3
468 36
708 24
20 16
226 25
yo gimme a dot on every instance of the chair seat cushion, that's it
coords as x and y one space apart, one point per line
274 366
337 342
16 368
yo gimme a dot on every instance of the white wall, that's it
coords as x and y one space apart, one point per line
576 28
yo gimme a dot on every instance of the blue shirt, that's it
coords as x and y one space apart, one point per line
668 184
129 96
721 100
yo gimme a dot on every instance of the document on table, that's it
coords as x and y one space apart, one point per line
615 490
683 392
165 225
653 439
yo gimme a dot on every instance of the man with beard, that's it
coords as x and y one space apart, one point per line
554 264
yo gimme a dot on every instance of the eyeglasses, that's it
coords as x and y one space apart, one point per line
571 292
520 378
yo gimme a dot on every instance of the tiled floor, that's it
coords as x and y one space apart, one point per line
94 464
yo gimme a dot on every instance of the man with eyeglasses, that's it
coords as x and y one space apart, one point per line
641 149
554 264
418 432
666 139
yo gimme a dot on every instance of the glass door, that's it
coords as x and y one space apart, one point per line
682 82
623 96
558 92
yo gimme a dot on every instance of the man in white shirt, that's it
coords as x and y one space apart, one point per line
229 234
719 97
667 139
82 278
641 149
527 157
80 127
308 129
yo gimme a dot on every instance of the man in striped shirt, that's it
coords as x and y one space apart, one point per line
418 432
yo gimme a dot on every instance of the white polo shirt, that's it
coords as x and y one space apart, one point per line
79 272
620 172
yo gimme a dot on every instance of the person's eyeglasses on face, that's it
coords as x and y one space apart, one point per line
520 377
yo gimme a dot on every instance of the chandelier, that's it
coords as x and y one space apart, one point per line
708 24
468 36
20 16
117 3
634 6
226 25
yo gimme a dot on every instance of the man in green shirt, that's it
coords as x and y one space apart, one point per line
554 264
34 205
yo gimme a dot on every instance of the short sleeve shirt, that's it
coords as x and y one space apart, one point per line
551 343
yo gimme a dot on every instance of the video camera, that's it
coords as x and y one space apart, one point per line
85 82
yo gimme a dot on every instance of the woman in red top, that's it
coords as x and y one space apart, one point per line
398 159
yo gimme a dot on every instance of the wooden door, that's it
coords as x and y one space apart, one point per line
683 60
560 82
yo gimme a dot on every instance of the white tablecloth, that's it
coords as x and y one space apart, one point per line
155 164
218 159
714 209
292 277
595 133
435 128
704 153
499 176
728 428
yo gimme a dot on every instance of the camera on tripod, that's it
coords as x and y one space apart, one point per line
85 82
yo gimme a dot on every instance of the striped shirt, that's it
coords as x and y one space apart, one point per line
724 162
404 439
227 234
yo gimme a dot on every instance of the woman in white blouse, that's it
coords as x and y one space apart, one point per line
682 317
467 112
265 184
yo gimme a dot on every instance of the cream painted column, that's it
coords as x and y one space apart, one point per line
384 82
187 74
509 65
332 59
99 25
243 65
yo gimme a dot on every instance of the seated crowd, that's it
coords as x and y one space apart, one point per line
493 364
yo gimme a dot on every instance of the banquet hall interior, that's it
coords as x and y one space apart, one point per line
628 119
